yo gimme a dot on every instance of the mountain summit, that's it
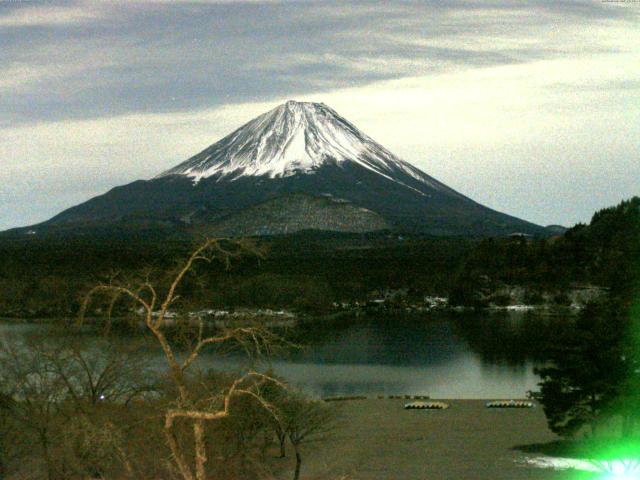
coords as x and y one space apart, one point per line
295 137
300 166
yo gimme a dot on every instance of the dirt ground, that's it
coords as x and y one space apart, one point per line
379 439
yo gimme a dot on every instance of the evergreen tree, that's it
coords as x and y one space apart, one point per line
587 372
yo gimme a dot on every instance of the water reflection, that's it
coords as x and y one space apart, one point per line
387 342
507 338
445 356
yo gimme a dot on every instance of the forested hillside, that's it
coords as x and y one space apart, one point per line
311 270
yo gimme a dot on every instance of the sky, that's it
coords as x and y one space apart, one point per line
529 107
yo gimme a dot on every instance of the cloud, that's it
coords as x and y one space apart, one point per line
160 56
521 105
506 135
48 15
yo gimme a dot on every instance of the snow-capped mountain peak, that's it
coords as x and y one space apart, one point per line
298 167
295 137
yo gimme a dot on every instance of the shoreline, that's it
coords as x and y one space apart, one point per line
293 319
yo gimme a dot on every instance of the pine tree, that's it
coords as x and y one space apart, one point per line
588 369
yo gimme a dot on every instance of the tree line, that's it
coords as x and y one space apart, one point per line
591 383
310 271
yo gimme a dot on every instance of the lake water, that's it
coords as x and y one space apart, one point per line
444 356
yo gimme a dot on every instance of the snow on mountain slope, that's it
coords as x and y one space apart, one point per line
296 137
274 175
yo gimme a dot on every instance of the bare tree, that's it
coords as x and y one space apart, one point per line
50 391
276 397
5 412
305 420
34 396
103 373
156 310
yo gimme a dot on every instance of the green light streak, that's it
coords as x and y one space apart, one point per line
619 458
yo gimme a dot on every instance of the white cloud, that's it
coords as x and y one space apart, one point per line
30 16
545 141
550 135
16 75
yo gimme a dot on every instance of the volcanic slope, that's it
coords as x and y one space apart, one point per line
277 163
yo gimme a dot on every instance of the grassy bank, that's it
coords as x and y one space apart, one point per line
379 439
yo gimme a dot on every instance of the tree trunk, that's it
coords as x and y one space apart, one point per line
47 456
296 474
185 471
267 440
282 439
201 452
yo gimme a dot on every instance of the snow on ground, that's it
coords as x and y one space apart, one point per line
623 469
558 463
292 138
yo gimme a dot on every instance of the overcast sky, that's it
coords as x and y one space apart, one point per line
529 107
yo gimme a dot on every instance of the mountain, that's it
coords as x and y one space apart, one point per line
556 229
300 166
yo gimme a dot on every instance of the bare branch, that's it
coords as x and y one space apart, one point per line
113 289
251 339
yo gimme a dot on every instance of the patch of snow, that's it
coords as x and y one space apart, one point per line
559 463
292 138
625 468
519 308
435 302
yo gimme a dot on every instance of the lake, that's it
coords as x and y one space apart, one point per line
478 355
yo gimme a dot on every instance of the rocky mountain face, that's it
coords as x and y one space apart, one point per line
300 166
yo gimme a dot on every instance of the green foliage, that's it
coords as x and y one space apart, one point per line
467 289
606 252
301 292
591 363
46 276
562 299
5 422
612 242
595 371
532 297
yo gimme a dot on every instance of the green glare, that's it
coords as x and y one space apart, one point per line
617 458
608 459
620 459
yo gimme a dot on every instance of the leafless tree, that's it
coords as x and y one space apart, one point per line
5 413
51 390
34 397
304 420
102 373
156 310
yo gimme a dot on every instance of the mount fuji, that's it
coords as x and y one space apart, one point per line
300 166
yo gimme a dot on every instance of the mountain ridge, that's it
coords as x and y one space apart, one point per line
295 148
295 137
